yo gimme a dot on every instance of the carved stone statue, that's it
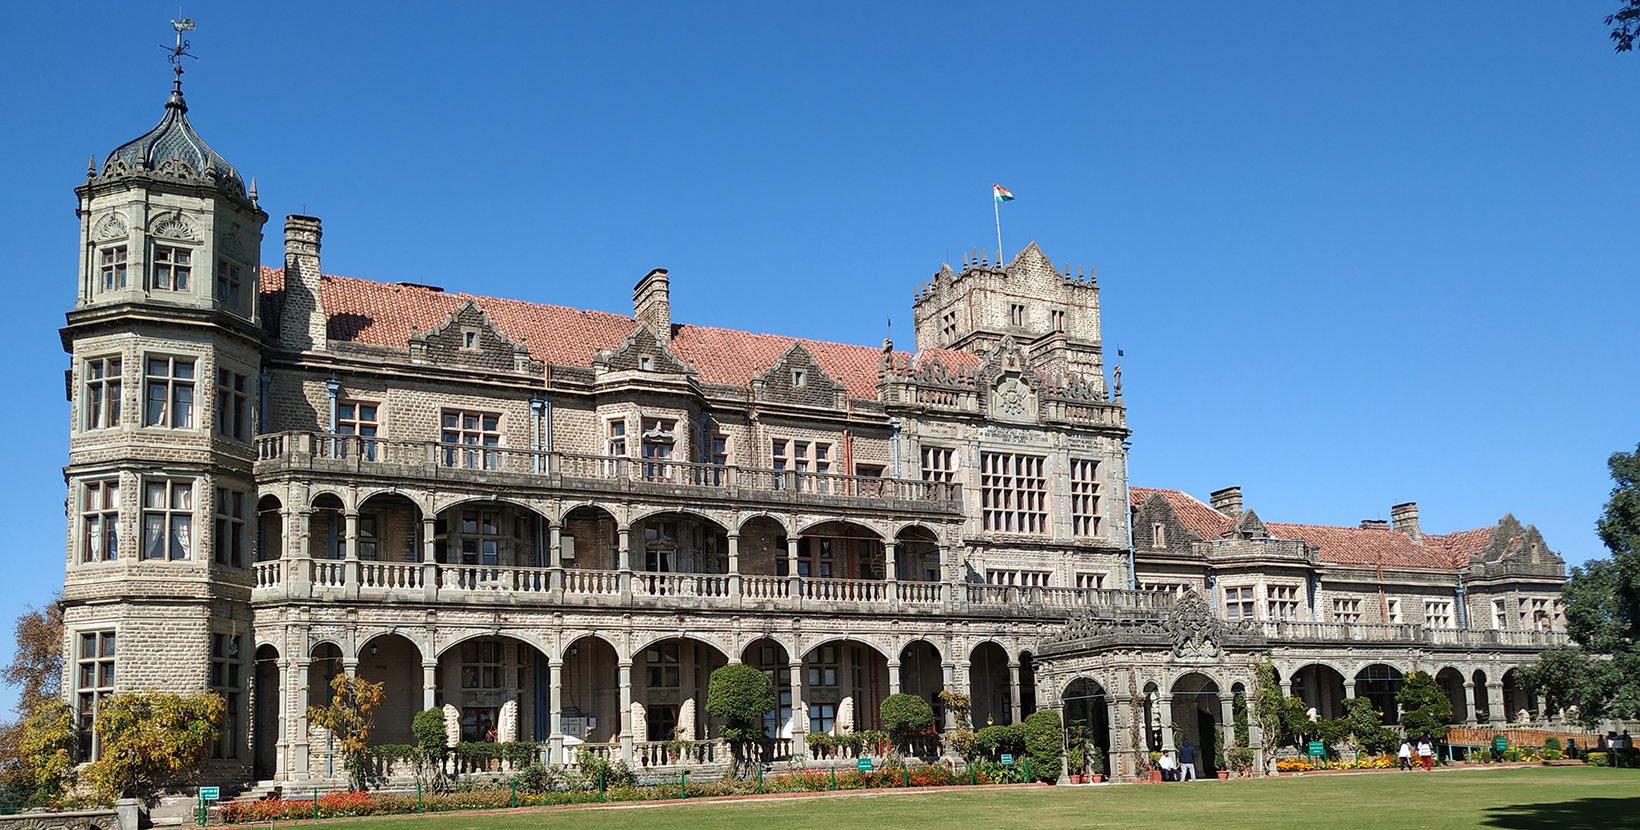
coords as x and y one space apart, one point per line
452 725
686 720
507 730
640 722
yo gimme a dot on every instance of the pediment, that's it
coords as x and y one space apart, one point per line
642 351
1250 527
797 377
468 337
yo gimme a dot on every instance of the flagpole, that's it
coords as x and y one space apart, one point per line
996 207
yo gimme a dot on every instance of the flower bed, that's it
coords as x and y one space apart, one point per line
335 805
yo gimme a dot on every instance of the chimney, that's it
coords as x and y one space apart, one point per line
652 304
1227 501
302 321
1374 524
1405 517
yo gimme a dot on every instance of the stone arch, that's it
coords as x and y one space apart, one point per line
1516 698
772 657
1378 683
842 528
1027 683
671 540
1321 686
1451 681
762 545
389 527
778 519
922 671
670 676
327 528
267 724
270 528
498 683
990 690
1196 715
840 549
326 661
478 532
1087 714
394 661
845 682
589 537
918 553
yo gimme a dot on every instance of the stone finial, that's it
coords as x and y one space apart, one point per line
91 167
253 190
1118 383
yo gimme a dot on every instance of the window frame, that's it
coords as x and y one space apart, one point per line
179 392
104 384
228 282
114 266
482 454
169 514
230 524
99 521
233 404
101 662
939 463
1014 493
227 678
350 420
1086 498
178 273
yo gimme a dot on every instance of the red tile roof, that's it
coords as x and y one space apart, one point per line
1203 520
1339 545
384 314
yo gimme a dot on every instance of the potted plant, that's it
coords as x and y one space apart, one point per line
677 746
1096 764
1076 760
1220 764
1240 759
1155 767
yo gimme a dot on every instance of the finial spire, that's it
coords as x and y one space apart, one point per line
253 190
177 53
91 167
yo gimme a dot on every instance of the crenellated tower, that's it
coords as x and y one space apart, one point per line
166 346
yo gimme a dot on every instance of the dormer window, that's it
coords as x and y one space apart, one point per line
469 338
172 268
798 378
227 283
645 362
1158 535
113 268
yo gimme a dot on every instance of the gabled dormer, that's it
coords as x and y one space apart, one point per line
796 378
469 338
642 352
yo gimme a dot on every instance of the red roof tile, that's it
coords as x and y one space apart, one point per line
1462 545
383 314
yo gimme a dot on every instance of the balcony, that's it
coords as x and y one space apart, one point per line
1315 632
468 464
548 588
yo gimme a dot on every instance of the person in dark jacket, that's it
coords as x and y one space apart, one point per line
1187 761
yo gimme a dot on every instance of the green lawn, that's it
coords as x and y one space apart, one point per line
1566 798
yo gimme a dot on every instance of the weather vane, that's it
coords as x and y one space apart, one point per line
180 50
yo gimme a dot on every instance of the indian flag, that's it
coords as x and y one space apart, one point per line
1001 193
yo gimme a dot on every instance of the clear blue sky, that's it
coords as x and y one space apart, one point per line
1357 254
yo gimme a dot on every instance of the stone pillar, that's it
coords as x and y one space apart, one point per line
282 746
891 557
555 721
301 570
429 560
794 585
625 667
623 564
555 557
1494 703
800 714
1469 702
948 680
1165 718
734 567
894 677
429 687
1227 721
350 565
1015 707
1349 689
1255 737
300 764
1119 764
350 666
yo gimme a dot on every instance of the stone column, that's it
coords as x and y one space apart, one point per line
1494 703
734 567
623 564
891 574
948 680
1469 702
794 585
300 764
1015 708
894 683
625 668
800 714
350 564
1165 718
1119 763
1255 738
1349 689
555 558
301 569
555 722
429 560
1227 721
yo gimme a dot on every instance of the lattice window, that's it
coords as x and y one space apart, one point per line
94 680
481 664
361 418
100 518
1283 601
1437 614
662 662
1239 603
476 435
172 267
1025 579
227 283
1085 497
227 679
1088 580
170 392
1013 493
113 268
102 393
231 510
1346 611
233 405
168 520
939 464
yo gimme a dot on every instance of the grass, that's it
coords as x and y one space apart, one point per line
1566 798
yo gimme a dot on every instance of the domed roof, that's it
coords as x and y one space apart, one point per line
174 149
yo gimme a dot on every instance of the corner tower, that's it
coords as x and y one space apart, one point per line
166 348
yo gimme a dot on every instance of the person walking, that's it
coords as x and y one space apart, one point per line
1403 758
1426 755
1187 761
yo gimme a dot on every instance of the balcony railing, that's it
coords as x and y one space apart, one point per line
431 459
1410 633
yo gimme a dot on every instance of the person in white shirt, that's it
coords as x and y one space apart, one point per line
1426 755
1167 764
1403 758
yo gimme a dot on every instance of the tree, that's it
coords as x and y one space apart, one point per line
1043 743
1365 728
1625 25
906 717
348 717
1428 711
46 748
36 670
428 727
1269 705
151 738
740 695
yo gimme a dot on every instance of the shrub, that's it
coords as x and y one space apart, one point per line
740 695
1000 739
1042 744
906 716
428 727
150 738
46 751
348 718
1600 759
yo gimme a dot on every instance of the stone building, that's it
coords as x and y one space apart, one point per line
557 523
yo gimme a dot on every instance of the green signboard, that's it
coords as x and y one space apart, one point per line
1007 759
210 793
1500 743
864 764
1316 748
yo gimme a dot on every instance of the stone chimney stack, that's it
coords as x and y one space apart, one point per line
1405 517
1227 501
1374 524
302 322
652 304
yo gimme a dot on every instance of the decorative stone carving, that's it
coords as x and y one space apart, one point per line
507 730
232 246
845 715
640 722
452 725
174 226
1194 630
112 226
1013 400
686 720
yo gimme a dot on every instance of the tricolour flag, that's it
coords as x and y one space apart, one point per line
1001 193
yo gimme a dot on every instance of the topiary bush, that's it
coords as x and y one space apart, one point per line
1042 744
906 716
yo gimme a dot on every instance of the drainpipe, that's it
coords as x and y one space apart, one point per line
895 427
267 380
1213 591
1463 609
546 423
705 440
536 407
1313 583
332 387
